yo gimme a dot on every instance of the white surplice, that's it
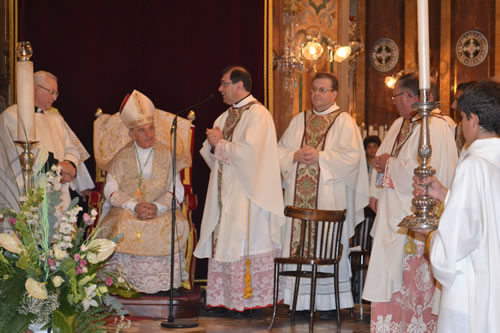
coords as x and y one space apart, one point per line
465 250
385 271
54 136
343 184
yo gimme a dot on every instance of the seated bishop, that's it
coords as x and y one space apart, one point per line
138 193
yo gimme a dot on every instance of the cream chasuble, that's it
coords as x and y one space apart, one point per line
394 193
143 237
250 190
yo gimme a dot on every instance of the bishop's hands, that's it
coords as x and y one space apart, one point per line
145 210
214 135
306 155
68 171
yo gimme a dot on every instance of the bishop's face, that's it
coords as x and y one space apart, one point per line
143 135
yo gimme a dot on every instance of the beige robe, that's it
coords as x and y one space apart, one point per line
144 237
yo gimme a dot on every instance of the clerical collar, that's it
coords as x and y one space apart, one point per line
38 110
333 107
243 101
142 150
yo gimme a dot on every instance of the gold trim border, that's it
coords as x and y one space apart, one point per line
268 55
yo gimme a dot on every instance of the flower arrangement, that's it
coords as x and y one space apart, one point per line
48 267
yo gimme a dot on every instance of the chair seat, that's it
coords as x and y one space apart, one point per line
305 261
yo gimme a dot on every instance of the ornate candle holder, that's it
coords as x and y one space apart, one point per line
424 217
26 159
25 110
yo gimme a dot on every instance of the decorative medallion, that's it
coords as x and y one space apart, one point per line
472 48
384 55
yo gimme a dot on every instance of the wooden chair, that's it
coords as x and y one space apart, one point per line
320 244
359 255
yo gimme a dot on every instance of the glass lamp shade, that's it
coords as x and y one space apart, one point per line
312 50
390 81
342 53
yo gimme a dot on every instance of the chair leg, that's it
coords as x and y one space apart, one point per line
312 301
275 293
296 293
337 297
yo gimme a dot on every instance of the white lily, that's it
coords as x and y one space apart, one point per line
89 300
100 249
11 243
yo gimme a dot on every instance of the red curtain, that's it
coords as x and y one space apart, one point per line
172 51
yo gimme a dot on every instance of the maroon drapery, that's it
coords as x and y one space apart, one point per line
172 51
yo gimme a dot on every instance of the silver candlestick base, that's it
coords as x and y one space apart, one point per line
424 217
26 158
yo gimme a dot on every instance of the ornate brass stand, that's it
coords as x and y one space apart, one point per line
424 217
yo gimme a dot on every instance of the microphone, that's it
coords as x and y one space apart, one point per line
194 105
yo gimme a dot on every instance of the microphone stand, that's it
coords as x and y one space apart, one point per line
171 323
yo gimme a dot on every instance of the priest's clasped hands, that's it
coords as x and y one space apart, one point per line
214 135
306 155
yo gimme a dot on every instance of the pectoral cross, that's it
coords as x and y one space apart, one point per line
138 236
138 193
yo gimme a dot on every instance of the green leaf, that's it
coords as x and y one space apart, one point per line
64 318
19 323
62 323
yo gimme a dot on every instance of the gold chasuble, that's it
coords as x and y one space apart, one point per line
144 237
232 120
307 178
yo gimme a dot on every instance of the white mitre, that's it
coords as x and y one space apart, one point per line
136 110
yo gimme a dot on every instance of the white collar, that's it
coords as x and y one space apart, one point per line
244 101
332 108
140 150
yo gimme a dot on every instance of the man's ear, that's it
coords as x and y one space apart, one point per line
335 93
131 134
474 120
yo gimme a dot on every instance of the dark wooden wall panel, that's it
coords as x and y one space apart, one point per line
384 19
465 17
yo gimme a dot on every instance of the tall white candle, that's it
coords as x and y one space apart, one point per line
25 101
423 44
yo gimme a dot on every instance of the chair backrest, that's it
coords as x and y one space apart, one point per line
320 233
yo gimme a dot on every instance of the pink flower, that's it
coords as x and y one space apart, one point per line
108 281
77 257
87 219
12 220
51 262
83 263
78 270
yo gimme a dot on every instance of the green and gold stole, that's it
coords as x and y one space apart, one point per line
307 177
